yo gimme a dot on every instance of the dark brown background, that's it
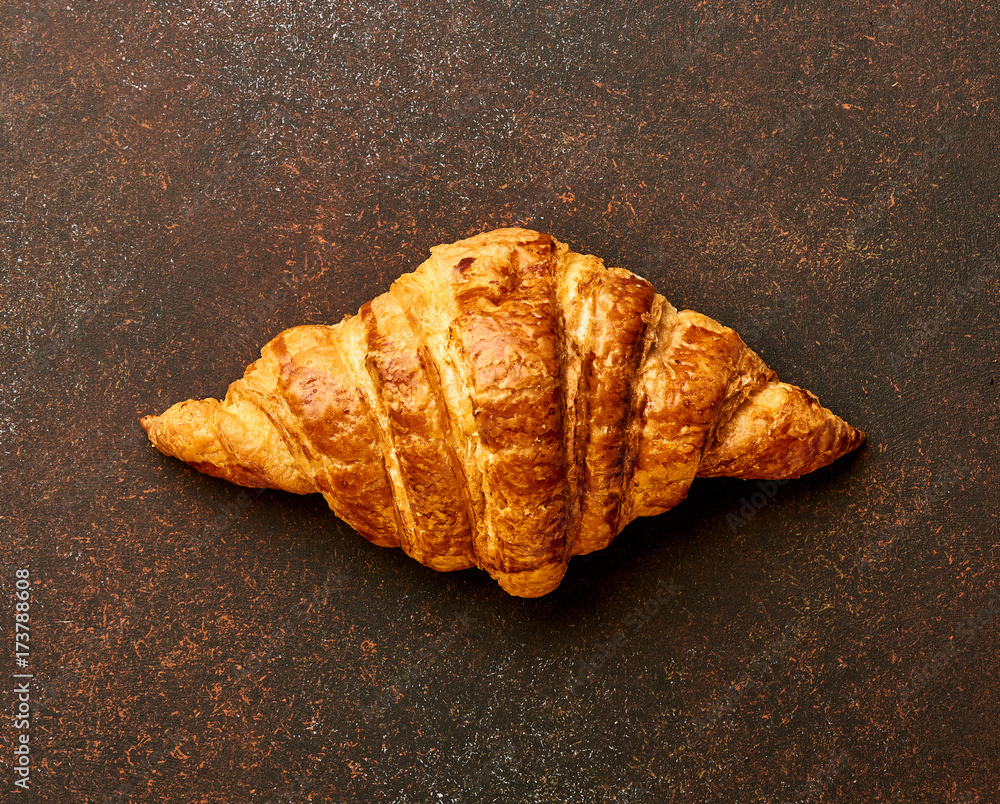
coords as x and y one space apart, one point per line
181 180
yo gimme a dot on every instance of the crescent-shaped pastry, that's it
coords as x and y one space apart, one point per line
507 405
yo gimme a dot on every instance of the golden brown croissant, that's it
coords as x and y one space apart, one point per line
507 405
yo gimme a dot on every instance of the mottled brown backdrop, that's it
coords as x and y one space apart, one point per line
181 180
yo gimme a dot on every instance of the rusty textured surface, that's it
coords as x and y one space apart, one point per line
180 181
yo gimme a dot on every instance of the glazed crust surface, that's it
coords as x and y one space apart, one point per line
507 405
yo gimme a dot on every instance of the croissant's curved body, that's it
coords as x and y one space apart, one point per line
507 405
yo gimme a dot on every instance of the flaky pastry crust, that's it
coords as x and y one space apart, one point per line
507 405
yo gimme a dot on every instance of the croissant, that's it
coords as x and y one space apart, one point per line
506 406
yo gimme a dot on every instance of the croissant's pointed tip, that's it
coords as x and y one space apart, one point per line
851 441
781 432
147 422
852 437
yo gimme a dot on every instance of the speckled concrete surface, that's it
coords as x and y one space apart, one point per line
179 181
